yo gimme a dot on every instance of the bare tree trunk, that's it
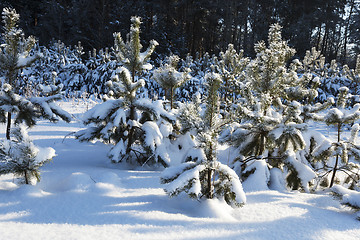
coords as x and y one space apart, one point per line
210 186
337 158
8 126
131 131
209 173
26 177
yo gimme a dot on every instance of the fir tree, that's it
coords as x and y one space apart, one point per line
203 175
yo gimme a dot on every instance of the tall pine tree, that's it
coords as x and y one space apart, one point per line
128 122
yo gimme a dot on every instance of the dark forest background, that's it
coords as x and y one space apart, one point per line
196 27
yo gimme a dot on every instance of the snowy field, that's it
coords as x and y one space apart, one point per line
83 196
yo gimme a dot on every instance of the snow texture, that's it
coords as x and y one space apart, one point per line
82 196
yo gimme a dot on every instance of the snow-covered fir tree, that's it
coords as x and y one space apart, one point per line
132 124
21 157
169 78
343 155
203 176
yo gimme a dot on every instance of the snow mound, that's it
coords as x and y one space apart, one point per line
208 208
76 182
215 208
8 186
108 177
32 191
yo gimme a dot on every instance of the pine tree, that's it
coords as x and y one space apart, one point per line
269 132
74 70
14 55
348 197
130 123
327 76
129 52
21 157
354 76
289 143
203 175
101 66
341 150
169 78
230 65
48 93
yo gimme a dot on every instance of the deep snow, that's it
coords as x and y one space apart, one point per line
83 196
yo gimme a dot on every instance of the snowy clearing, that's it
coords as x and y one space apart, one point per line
83 196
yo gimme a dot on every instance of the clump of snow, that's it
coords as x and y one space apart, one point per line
348 196
153 136
277 180
258 181
305 173
44 154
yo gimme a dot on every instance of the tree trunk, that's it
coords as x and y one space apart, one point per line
8 126
131 131
209 194
26 177
171 97
210 160
337 158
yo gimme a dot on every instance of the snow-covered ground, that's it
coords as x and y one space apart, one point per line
83 196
